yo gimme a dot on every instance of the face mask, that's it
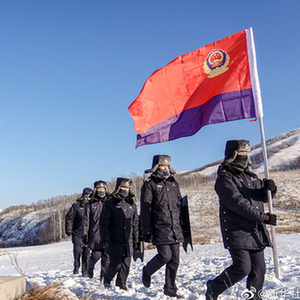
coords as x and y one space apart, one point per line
163 173
241 161
123 193
101 194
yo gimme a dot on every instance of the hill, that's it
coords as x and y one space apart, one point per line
43 222
283 153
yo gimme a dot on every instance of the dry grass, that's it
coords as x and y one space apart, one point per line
48 292
52 291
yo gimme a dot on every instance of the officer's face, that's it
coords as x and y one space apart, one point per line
242 153
124 188
163 167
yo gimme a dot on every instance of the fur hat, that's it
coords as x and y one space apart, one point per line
99 184
164 160
86 192
233 147
124 182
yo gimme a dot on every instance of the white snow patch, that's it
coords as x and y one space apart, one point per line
52 263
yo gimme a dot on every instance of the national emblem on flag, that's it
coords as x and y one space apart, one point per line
212 84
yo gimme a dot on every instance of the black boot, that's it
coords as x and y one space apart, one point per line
124 288
146 278
173 295
90 273
84 274
209 293
75 271
106 283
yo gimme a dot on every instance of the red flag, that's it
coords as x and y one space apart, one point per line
209 85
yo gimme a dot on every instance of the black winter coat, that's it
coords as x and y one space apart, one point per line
161 210
74 222
91 221
242 213
119 225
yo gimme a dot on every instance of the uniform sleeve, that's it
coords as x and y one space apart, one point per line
135 225
104 223
146 202
262 195
85 220
70 216
231 197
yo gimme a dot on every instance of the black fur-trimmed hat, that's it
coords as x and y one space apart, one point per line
234 146
99 184
124 182
164 160
86 192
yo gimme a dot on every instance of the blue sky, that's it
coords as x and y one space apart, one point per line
70 69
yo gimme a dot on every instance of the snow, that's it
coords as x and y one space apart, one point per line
288 142
283 157
52 263
210 171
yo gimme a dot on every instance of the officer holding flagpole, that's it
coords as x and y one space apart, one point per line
242 218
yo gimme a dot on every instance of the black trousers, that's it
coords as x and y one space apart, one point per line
117 265
167 255
94 258
81 253
244 263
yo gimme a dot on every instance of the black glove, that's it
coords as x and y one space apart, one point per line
68 233
85 239
147 238
105 244
270 185
270 219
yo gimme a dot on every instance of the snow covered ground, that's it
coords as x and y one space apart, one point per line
52 263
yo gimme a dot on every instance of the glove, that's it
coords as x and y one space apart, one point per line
270 185
105 244
85 239
147 238
270 219
68 233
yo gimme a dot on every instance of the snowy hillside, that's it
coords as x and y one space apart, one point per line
30 228
16 228
283 154
203 206
53 263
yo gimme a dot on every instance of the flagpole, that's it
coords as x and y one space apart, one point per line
270 200
259 114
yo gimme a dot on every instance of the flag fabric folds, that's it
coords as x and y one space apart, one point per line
213 84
